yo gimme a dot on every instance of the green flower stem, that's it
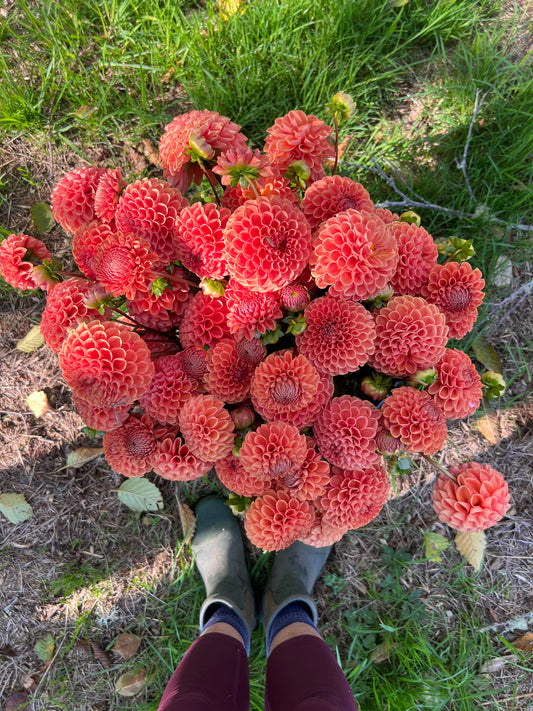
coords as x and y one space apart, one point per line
438 466
335 165
251 183
211 180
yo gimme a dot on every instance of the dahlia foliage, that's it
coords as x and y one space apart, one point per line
283 332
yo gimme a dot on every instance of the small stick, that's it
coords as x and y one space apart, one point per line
438 466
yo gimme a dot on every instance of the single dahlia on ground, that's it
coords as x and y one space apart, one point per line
412 416
234 476
354 497
417 256
284 382
149 208
228 375
276 519
410 334
85 244
18 255
204 322
215 133
107 195
106 363
457 390
207 427
128 448
73 197
331 195
201 239
124 265
345 432
355 254
476 500
339 335
172 459
169 389
299 137
268 243
273 452
457 290
103 419
251 312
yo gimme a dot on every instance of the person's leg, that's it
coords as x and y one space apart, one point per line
302 673
213 674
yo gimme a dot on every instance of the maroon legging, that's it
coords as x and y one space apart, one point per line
302 675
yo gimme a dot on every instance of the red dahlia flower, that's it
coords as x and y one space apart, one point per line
477 500
228 375
418 255
251 312
241 165
354 497
169 389
162 310
299 137
107 194
124 265
276 519
103 419
18 255
173 460
310 481
268 243
201 236
413 417
294 297
73 197
106 363
128 448
149 208
457 390
274 451
274 185
339 336
216 132
235 477
331 195
85 243
204 322
207 427
284 383
345 432
457 290
410 334
194 362
321 533
354 253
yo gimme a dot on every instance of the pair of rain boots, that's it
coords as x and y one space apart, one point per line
219 553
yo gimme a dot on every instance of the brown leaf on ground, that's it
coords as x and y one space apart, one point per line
494 665
38 403
524 643
151 152
382 652
16 701
131 683
489 426
94 650
187 521
126 645
471 545
82 456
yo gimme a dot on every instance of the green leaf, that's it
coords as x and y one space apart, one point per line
397 3
42 217
435 543
31 341
471 545
139 494
15 507
44 648
485 353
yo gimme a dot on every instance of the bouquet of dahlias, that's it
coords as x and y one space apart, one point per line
283 331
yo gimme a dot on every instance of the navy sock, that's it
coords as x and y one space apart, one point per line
219 612
293 612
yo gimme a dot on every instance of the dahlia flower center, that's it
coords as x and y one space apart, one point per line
346 203
277 240
280 466
139 443
431 411
286 391
116 263
458 298
330 331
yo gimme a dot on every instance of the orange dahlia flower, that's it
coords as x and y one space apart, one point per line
128 448
412 416
207 427
457 390
201 239
228 375
172 459
104 418
124 265
168 391
204 322
234 476
18 255
273 452
321 533
311 480
417 256
284 383
73 197
85 243
251 312
332 195
276 519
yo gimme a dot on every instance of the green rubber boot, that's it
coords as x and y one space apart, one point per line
291 579
219 555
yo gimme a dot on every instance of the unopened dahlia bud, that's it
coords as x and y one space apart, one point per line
423 378
200 148
97 297
381 299
341 107
376 386
411 218
297 325
294 297
493 385
243 416
212 287
298 174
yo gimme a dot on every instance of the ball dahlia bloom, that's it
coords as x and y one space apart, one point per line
299 137
283 383
268 243
457 290
331 195
173 460
478 498
107 194
310 481
276 519
128 448
411 334
339 335
201 238
194 362
149 208
124 265
417 256
204 322
103 418
355 254
354 497
106 363
207 427
345 432
457 390
18 255
168 391
234 476
85 244
217 133
273 452
250 312
321 533
73 197
272 185
228 375
412 416
294 297
163 310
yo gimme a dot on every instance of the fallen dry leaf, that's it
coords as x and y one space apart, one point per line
126 645
489 426
94 650
494 665
16 701
187 521
81 456
382 652
524 643
471 545
151 152
30 681
38 403
130 683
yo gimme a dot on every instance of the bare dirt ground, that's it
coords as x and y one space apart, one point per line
85 567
